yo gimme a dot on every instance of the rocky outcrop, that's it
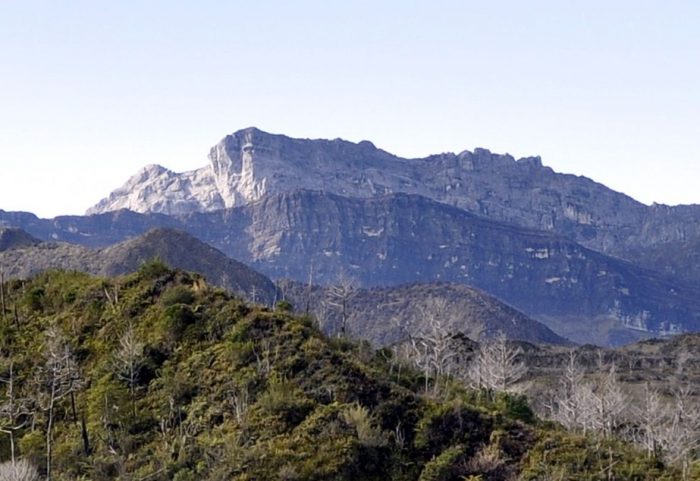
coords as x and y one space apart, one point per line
250 164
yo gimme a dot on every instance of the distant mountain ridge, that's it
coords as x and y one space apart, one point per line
12 238
251 164
581 294
175 248
386 315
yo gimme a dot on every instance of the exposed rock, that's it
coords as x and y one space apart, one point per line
579 293
250 164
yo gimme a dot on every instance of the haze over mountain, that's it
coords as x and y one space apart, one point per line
563 249
387 315
176 248
250 164
582 294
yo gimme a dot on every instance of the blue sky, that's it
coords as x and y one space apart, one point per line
90 91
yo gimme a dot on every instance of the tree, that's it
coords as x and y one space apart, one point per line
497 366
651 417
589 407
339 296
127 362
14 411
21 470
569 405
58 378
680 435
435 349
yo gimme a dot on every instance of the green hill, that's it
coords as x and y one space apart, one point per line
158 376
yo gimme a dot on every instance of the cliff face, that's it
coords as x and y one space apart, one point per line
250 164
396 239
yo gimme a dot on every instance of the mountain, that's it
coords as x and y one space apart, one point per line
193 384
386 315
396 239
251 164
175 248
13 238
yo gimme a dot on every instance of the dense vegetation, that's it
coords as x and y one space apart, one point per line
158 376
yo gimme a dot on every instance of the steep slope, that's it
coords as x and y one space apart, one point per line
224 391
396 239
250 163
176 248
13 238
386 315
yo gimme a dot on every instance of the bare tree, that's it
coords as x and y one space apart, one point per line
339 296
586 406
611 403
680 435
2 293
13 412
498 365
128 359
21 470
58 378
569 405
651 416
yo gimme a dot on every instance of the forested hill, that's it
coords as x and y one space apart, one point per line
158 376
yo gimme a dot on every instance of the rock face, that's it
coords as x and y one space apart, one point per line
175 248
581 294
250 164
157 189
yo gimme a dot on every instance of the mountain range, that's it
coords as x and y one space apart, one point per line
593 264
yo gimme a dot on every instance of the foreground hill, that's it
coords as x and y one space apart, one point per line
174 247
158 376
396 239
386 315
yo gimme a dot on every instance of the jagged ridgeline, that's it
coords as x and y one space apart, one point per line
156 375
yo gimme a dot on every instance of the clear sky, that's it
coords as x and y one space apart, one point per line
90 91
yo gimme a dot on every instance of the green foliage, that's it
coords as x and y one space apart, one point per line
226 391
153 269
177 295
443 467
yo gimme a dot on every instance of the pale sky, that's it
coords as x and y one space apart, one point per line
90 91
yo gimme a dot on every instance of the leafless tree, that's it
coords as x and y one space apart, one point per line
58 378
590 407
14 411
21 470
498 365
568 405
128 359
651 416
2 293
611 403
339 296
680 435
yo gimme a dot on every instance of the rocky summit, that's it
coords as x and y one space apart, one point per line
251 164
